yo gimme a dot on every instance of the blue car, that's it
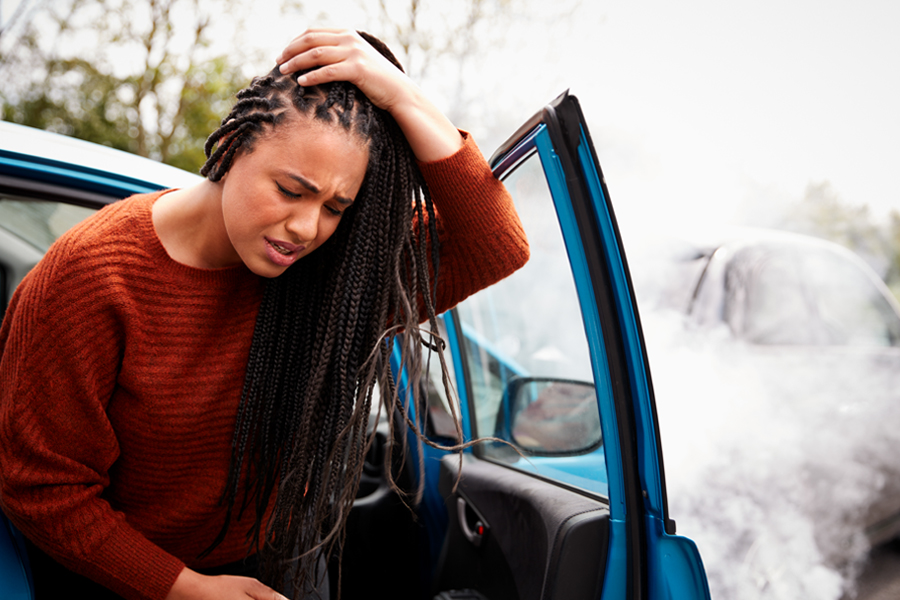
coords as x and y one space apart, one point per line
567 499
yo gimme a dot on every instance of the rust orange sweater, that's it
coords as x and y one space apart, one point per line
121 371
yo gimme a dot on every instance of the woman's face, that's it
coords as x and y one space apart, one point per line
285 198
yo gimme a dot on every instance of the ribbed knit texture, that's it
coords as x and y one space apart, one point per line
121 373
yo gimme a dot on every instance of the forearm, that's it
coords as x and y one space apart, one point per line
116 557
429 132
56 440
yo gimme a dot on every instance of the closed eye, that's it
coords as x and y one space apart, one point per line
286 191
334 211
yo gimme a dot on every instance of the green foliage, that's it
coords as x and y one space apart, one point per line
822 213
88 108
207 96
146 83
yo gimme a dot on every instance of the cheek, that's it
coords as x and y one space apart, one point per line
247 218
327 227
237 215
246 206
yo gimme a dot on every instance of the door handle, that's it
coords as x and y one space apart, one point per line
475 532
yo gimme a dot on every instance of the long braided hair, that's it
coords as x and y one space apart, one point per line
324 331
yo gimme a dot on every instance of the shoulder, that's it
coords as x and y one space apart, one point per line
105 240
128 220
84 260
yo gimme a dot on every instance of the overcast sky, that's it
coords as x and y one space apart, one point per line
733 108
704 112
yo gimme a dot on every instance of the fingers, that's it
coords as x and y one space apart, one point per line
292 48
291 59
191 585
258 591
320 56
342 55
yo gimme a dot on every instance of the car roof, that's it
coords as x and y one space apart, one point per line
35 163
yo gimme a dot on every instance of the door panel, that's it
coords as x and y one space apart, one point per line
540 540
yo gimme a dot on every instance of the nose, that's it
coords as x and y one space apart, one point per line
303 222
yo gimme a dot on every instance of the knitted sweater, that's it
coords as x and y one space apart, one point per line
121 371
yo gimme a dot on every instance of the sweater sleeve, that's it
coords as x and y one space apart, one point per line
60 348
482 240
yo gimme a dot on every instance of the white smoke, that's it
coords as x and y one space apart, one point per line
774 460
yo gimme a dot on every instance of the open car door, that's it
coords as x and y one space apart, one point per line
570 502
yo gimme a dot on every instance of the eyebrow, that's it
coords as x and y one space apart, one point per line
312 188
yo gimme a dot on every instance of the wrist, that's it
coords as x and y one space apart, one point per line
186 585
429 132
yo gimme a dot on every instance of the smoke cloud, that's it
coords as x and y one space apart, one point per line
777 458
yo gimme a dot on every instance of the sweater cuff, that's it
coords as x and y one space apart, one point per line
134 567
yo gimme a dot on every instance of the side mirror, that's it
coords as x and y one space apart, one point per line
552 417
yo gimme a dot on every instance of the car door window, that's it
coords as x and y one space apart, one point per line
27 229
524 347
40 222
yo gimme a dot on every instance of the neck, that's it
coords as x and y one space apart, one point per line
190 227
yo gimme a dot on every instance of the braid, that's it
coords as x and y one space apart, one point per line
324 331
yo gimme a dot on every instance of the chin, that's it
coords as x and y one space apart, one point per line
265 269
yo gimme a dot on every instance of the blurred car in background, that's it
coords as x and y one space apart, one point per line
783 289
823 332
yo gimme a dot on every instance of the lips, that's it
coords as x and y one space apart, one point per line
282 253
283 247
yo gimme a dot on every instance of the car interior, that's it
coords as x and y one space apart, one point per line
507 536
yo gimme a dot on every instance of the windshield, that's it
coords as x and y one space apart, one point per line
806 295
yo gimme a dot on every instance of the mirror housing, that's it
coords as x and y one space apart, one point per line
552 417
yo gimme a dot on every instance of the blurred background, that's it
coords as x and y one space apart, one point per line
706 116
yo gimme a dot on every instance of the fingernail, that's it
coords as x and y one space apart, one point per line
280 65
302 79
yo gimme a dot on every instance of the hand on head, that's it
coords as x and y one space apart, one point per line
343 55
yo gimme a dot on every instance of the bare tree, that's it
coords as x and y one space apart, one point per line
137 76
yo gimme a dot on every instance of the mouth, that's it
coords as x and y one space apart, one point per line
280 248
282 253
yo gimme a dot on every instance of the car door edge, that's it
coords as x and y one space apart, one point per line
659 562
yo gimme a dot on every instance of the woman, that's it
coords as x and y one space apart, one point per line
187 376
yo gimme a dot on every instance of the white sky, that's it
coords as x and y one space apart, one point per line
725 105
703 112
707 112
